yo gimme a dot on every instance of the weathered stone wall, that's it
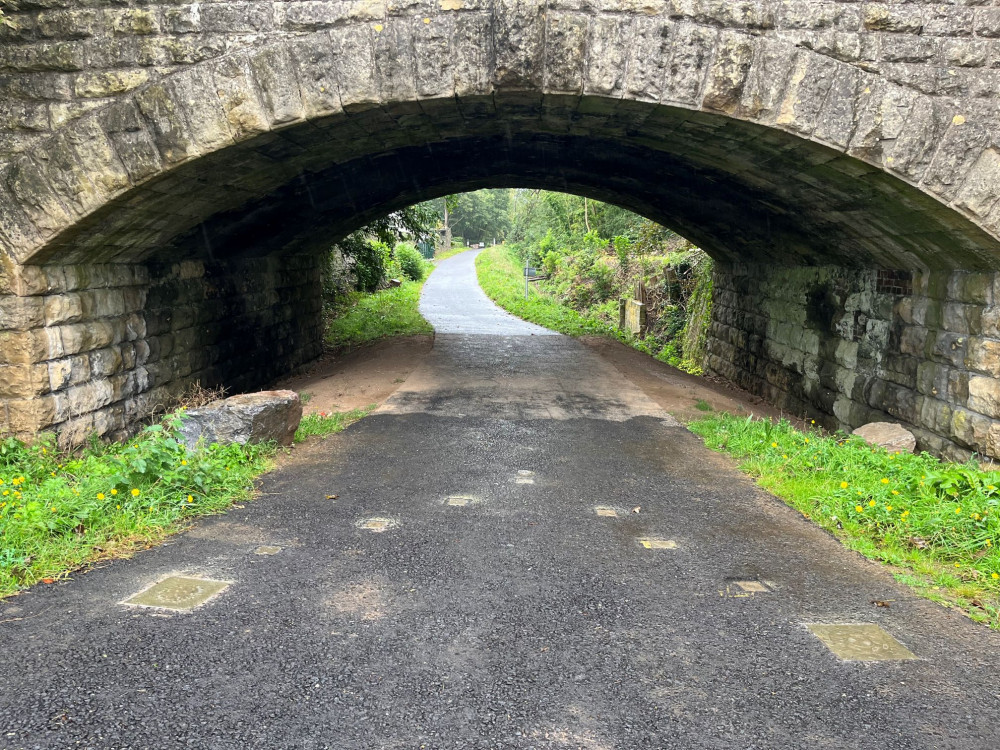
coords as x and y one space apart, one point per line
95 348
850 346
157 136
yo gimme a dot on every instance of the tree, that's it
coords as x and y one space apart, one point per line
480 216
361 258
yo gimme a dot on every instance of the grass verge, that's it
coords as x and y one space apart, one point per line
59 511
370 317
937 523
323 424
501 277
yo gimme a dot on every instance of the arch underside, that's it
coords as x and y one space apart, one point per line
742 191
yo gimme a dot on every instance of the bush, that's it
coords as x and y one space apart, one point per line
370 261
411 262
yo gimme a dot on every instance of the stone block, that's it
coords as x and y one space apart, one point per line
607 49
984 395
247 418
728 74
26 347
63 308
30 416
68 371
950 348
20 313
24 380
913 341
984 356
564 65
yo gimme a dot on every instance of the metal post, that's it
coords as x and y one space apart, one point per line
526 278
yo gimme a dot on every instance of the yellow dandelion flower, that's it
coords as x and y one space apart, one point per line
135 492
100 495
991 487
994 576
885 481
905 513
958 565
895 492
784 455
807 440
774 445
190 498
843 485
888 507
958 510
859 509
871 503
114 492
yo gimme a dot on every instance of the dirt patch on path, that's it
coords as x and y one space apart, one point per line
678 392
341 382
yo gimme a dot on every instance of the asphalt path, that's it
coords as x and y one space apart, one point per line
500 606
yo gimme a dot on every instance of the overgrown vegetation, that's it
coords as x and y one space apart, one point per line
501 278
362 318
59 510
596 254
937 522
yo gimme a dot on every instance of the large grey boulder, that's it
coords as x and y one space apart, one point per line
893 437
246 418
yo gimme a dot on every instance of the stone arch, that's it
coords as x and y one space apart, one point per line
772 149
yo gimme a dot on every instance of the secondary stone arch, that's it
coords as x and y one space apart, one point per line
214 187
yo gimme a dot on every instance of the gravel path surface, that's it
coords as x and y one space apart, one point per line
481 581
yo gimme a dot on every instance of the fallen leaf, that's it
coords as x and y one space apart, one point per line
48 580
636 509
882 602
332 497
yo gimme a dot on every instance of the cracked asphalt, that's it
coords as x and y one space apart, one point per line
519 619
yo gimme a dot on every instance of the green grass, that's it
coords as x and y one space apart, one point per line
370 317
502 278
59 511
323 424
937 523
703 405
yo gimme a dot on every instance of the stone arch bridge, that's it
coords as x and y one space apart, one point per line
170 172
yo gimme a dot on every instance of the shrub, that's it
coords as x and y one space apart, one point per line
370 260
411 262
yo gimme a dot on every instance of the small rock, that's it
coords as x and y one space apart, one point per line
893 437
246 418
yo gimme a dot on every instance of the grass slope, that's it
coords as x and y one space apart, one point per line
501 277
937 523
370 317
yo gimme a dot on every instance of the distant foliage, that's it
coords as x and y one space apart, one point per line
370 260
411 262
596 253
